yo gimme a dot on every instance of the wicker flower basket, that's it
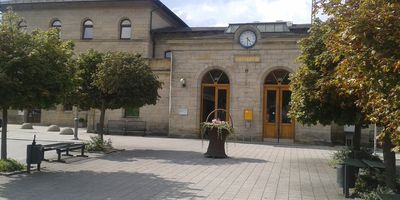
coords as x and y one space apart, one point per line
217 132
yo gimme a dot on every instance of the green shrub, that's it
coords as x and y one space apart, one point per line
373 195
96 144
345 153
339 156
10 165
368 180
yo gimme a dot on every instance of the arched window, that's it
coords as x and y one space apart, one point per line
215 95
278 76
87 30
57 24
215 77
22 26
125 29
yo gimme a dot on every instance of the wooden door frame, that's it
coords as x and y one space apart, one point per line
216 87
278 88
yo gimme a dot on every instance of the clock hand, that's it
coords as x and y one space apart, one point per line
248 40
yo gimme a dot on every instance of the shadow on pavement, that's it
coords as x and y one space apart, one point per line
176 157
93 185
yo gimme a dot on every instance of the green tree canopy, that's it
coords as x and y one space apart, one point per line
365 42
315 94
115 80
34 68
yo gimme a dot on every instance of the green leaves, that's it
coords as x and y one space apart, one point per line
119 79
34 67
315 97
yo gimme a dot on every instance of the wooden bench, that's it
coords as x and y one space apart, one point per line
133 127
50 147
116 127
63 147
122 127
69 148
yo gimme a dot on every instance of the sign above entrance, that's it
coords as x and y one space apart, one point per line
247 59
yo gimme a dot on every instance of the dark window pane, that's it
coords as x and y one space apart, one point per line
286 96
271 79
23 26
208 102
88 33
271 106
34 116
67 107
215 76
126 23
56 24
168 55
222 99
88 23
126 32
131 112
278 76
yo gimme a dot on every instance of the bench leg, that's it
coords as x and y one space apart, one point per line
44 159
59 157
82 152
67 153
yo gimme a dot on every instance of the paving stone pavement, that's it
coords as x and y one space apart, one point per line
165 168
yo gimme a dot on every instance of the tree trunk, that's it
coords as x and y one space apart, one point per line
102 116
4 135
357 137
389 159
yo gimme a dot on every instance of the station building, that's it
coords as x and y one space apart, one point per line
242 68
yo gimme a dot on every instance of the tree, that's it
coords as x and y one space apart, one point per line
366 36
315 96
114 80
34 69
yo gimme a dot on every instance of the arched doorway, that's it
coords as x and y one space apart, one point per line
277 96
214 94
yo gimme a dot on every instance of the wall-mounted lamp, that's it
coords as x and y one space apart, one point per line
183 82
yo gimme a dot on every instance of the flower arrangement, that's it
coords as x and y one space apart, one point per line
219 125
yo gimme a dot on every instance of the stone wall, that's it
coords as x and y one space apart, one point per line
192 58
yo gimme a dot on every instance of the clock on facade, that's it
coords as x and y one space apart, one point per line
248 39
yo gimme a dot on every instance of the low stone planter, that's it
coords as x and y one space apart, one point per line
53 128
26 126
67 131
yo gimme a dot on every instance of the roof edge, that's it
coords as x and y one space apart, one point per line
169 12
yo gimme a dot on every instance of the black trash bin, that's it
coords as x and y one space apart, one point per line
34 155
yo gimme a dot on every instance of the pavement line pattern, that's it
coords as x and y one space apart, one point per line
165 168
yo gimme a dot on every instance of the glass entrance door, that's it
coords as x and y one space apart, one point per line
33 116
277 123
213 97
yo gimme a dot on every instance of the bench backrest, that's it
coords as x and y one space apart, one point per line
135 125
116 124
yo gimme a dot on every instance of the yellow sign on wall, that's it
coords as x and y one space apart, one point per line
248 114
247 58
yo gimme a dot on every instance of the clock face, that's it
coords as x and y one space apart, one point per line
247 39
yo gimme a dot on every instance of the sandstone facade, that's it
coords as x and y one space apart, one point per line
195 51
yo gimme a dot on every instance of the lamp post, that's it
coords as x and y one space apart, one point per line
76 123
375 139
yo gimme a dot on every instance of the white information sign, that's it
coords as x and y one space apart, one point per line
183 111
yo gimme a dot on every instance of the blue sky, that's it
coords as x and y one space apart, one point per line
223 12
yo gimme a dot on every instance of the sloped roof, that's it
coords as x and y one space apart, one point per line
157 3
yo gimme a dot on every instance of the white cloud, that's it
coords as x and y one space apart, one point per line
223 12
